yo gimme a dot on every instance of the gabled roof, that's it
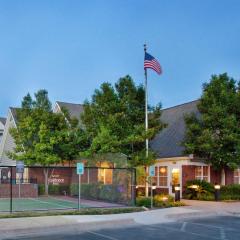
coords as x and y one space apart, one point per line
168 142
74 109
3 120
14 113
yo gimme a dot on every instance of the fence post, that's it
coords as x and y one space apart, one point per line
11 191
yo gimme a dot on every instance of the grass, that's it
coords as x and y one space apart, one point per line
86 211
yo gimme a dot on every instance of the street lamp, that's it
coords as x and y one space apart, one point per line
217 188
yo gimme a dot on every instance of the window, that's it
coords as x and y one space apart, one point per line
163 176
105 175
201 173
236 176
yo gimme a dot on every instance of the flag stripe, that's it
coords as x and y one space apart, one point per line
151 62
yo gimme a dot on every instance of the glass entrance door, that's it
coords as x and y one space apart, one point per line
175 179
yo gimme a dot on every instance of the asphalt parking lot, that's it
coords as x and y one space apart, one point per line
204 228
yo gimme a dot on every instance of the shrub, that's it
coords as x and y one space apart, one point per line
204 190
41 189
143 202
159 201
230 192
99 191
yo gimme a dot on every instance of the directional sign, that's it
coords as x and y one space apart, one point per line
80 168
20 167
152 171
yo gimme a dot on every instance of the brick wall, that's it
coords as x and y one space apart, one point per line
188 173
27 190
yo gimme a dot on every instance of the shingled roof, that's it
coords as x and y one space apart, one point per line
74 109
3 120
168 142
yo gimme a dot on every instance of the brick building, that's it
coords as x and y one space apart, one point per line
175 168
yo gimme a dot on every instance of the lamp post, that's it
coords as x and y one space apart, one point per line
217 188
153 187
177 193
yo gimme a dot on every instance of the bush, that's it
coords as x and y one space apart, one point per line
53 189
230 192
159 201
204 191
143 202
99 191
41 189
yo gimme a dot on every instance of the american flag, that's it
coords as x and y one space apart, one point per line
151 62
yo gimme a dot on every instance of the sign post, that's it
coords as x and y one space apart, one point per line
80 171
19 171
151 174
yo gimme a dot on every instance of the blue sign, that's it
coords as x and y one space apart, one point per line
152 171
20 167
80 168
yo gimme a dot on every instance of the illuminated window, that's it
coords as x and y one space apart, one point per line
163 176
201 173
237 176
105 175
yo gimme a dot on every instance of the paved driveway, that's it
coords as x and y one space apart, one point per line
221 227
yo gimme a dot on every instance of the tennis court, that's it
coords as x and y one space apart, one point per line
40 203
51 203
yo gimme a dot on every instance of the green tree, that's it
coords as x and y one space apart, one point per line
214 134
114 121
43 137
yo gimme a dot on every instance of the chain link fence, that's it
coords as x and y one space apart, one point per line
57 188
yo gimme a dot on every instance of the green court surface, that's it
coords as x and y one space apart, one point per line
41 203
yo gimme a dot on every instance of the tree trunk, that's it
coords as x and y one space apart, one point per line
45 170
223 181
146 182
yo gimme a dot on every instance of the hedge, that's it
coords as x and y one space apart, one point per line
98 191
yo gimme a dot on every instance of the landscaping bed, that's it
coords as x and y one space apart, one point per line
159 201
202 190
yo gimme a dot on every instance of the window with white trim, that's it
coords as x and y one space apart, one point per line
163 176
236 176
201 173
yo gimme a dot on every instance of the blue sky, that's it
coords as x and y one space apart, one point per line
71 47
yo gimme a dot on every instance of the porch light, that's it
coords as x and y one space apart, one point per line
136 186
162 170
154 187
217 186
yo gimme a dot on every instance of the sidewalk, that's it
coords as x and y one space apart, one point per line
34 225
12 227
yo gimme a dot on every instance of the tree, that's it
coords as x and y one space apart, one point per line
43 137
114 121
214 135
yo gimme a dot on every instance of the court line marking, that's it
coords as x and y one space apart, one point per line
56 204
103 235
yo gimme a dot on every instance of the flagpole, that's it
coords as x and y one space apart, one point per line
146 103
146 119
